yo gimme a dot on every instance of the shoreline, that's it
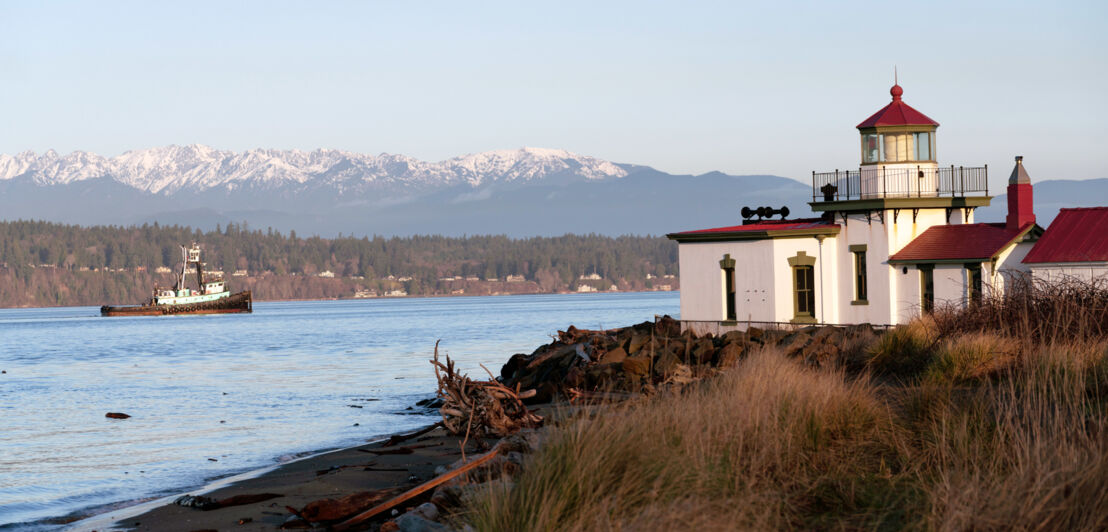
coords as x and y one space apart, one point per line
302 478
378 298
114 519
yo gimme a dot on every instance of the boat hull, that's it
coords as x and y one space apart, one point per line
235 303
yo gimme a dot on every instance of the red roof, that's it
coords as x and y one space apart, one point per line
767 225
959 242
897 113
1075 235
760 231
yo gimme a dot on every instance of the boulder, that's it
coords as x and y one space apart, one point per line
702 352
667 327
614 356
795 342
638 340
755 334
636 366
416 522
666 363
729 355
735 336
600 374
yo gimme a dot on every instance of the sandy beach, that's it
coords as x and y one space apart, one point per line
382 465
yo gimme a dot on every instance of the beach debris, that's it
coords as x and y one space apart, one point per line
117 415
357 520
408 449
398 438
480 408
331 510
207 503
245 520
197 501
414 522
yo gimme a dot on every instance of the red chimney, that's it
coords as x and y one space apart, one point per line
1021 210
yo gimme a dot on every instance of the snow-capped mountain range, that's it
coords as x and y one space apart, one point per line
197 168
524 192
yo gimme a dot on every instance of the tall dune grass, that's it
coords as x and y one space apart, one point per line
988 418
772 444
1028 453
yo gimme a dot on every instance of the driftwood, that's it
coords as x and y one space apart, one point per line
481 408
407 449
397 438
414 492
329 510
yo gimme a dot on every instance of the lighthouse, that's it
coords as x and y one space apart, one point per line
889 240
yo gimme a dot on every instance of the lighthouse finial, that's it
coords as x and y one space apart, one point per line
896 91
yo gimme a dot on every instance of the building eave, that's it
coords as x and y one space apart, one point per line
971 260
877 204
753 235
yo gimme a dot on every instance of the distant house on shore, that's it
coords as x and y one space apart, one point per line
893 238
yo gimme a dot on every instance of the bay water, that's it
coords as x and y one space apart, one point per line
213 396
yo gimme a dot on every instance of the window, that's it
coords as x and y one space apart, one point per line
898 147
871 151
923 146
973 283
927 288
805 291
860 284
804 287
728 267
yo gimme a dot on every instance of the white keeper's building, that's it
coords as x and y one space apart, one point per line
891 239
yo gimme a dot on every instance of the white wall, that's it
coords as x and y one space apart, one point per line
1009 266
907 289
702 284
1058 271
950 284
826 271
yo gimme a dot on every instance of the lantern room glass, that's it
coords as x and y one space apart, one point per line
897 147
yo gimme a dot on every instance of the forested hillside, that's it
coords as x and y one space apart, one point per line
44 264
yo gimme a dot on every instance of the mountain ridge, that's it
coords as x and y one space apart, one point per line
170 169
521 193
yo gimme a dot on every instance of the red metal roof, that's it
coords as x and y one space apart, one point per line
1075 235
767 225
958 242
897 113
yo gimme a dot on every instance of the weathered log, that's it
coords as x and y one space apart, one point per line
414 492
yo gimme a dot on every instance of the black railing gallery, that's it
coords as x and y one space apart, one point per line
881 182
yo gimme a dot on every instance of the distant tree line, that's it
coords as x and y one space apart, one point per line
553 263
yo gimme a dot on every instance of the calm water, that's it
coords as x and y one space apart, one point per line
215 395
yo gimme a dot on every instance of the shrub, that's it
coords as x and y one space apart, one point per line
969 357
904 351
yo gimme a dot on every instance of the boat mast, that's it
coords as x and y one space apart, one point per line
184 265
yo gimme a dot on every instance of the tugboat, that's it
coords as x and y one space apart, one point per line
211 296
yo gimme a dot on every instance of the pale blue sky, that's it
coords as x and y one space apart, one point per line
686 87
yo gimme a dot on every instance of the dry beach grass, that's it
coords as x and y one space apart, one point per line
988 418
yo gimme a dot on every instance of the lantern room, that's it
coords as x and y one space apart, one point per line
898 162
898 134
